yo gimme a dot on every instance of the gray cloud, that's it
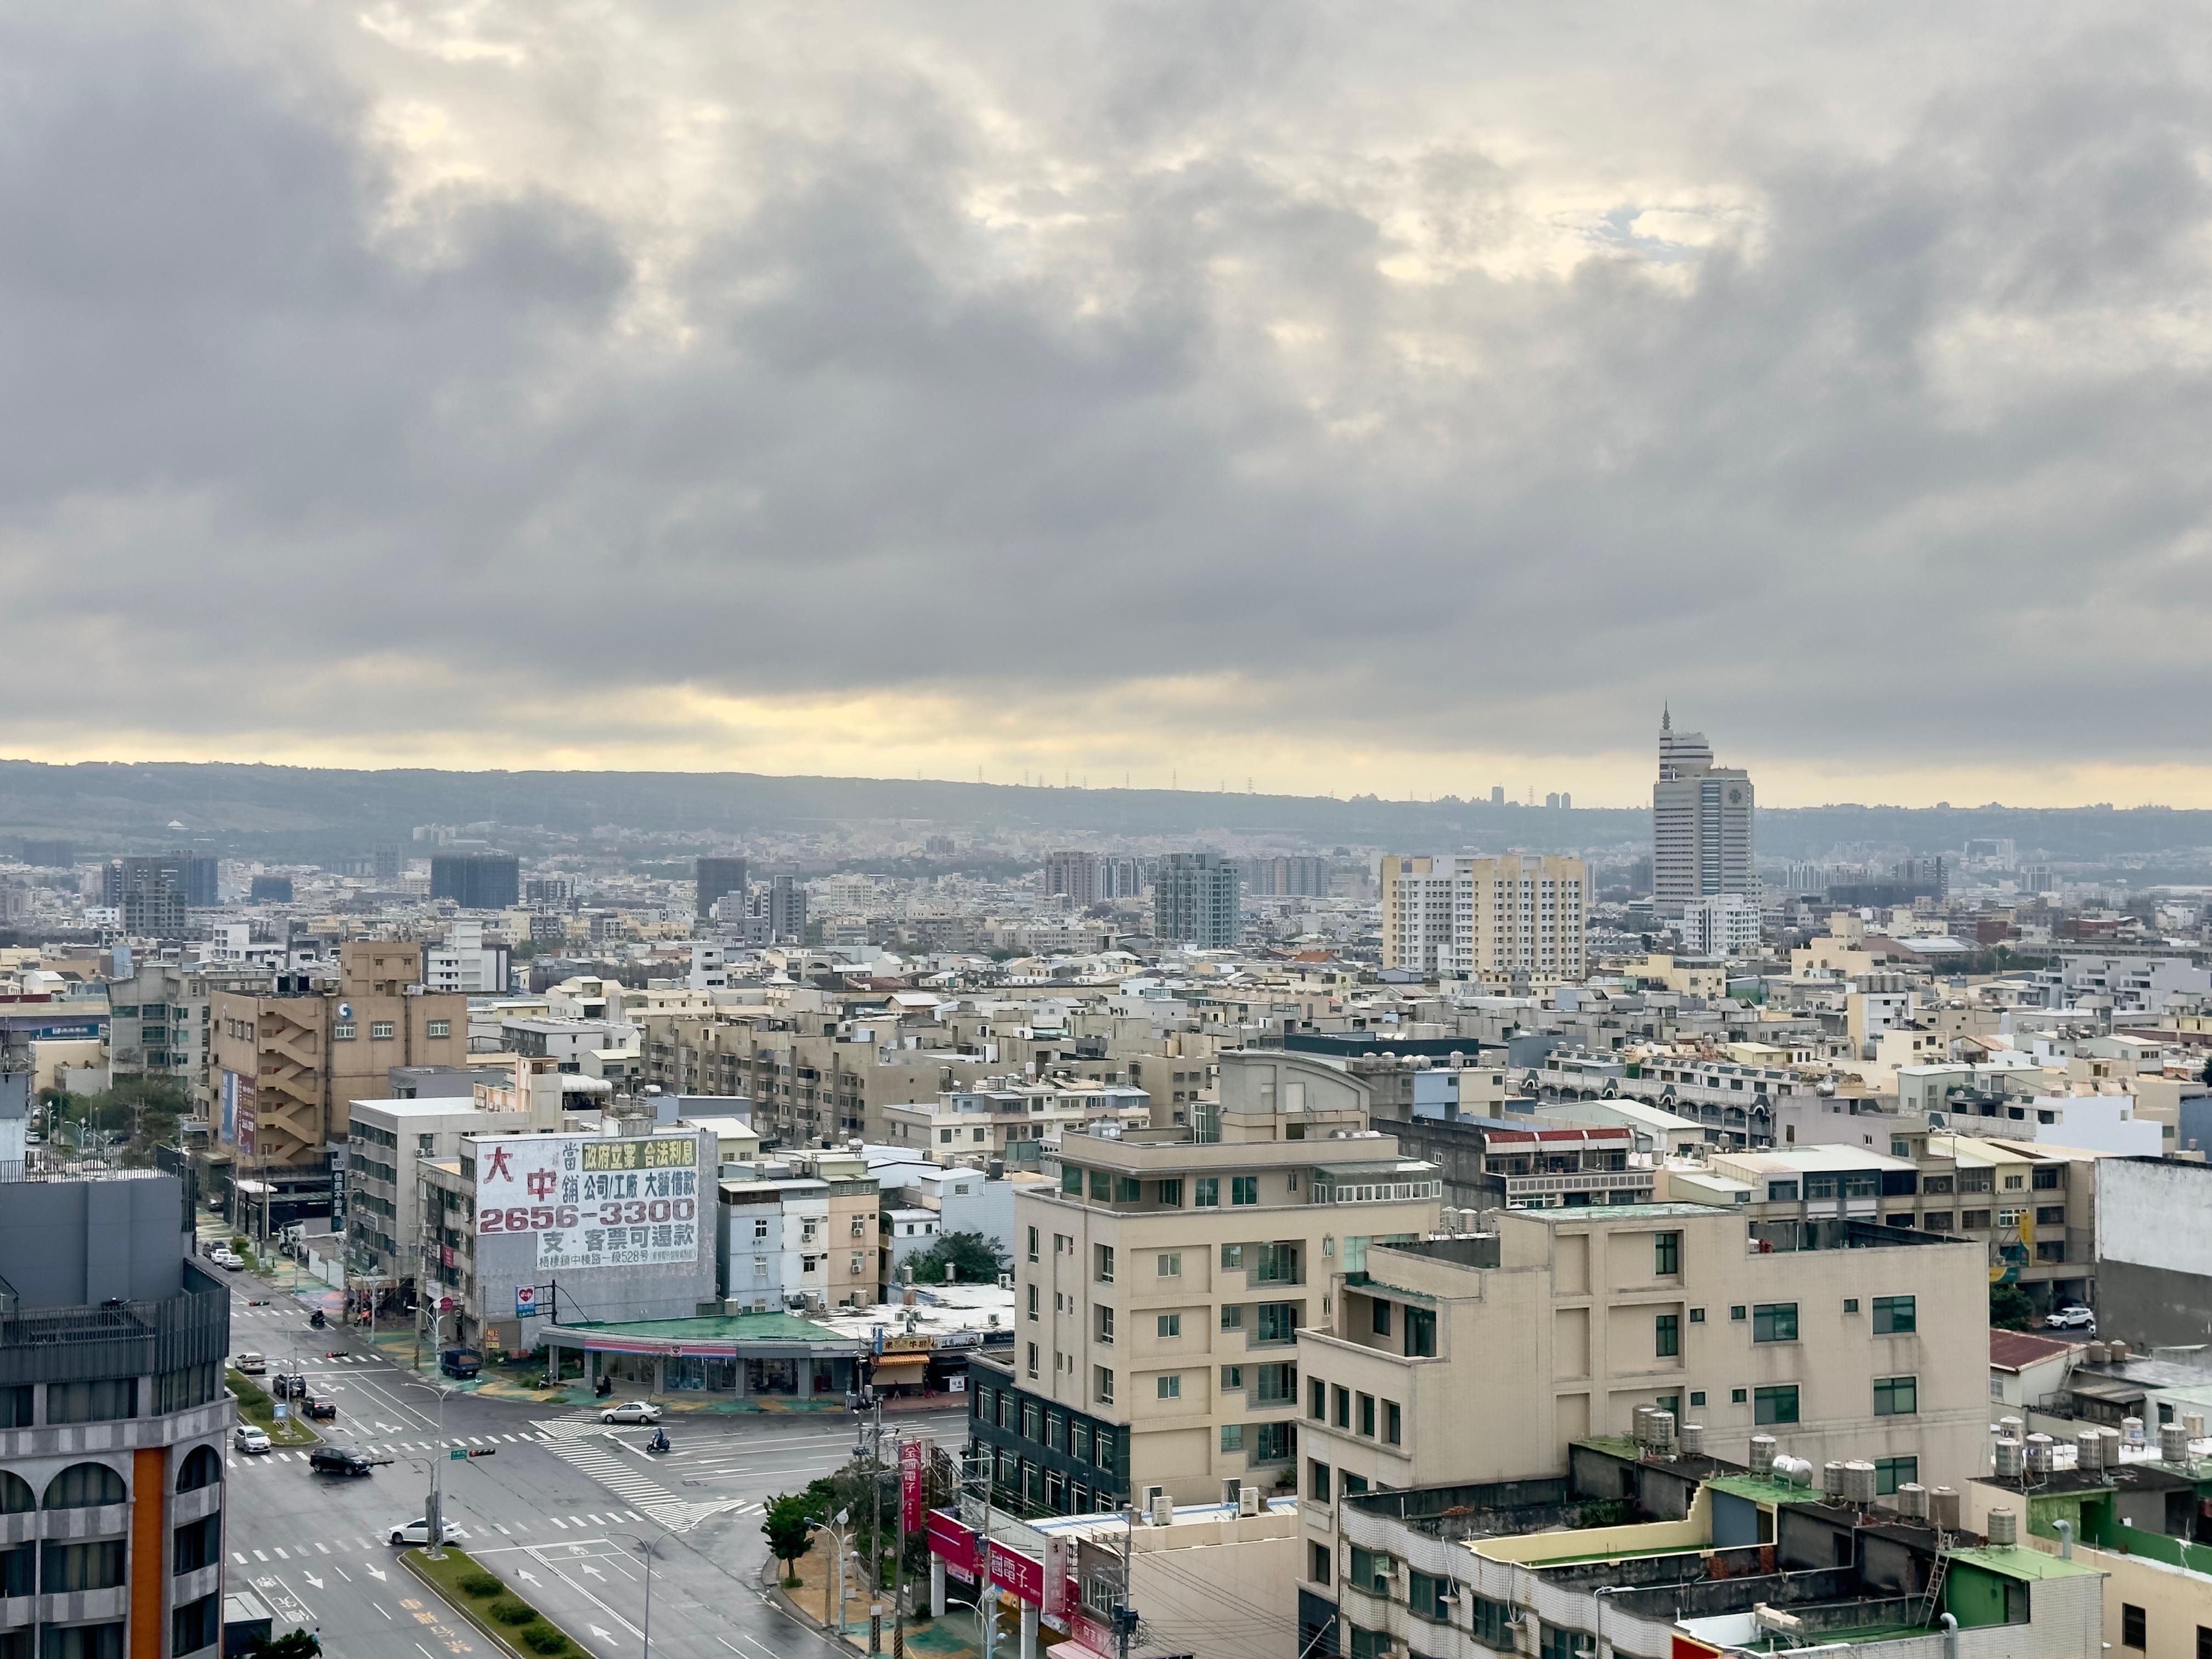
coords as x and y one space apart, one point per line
1453 376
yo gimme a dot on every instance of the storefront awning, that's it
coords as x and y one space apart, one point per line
901 1362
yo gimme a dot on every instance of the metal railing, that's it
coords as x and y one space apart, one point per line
115 1339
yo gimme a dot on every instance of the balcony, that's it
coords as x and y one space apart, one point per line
1581 1181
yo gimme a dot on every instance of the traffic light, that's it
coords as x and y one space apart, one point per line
483 1451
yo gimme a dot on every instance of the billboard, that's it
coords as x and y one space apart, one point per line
593 1200
912 1486
238 1123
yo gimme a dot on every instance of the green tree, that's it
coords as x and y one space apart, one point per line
292 1645
973 1259
2009 1307
788 1524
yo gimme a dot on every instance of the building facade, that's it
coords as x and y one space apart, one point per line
112 1420
717 877
1195 900
1520 914
1161 1282
476 881
1701 839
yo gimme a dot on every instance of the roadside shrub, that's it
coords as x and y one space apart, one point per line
511 1613
546 1641
481 1583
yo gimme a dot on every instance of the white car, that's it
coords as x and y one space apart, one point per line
417 1531
631 1411
2074 1317
227 1258
248 1438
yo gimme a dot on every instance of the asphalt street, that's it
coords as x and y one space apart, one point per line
563 1509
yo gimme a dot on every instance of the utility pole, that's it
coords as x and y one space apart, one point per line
876 1528
898 1561
1125 1616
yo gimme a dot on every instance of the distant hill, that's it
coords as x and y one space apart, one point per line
281 811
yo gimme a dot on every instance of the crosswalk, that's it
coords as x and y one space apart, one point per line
584 1444
249 1460
481 1533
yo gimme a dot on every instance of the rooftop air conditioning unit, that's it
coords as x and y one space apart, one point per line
1005 1282
1247 1500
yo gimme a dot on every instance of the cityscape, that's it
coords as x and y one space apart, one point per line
1200 831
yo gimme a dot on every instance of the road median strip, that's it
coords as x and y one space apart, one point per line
493 1607
256 1407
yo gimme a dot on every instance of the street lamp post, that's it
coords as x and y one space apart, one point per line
434 1517
647 1550
839 1531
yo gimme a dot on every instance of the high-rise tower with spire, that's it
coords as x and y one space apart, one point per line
1700 824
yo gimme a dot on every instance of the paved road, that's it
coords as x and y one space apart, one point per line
561 1510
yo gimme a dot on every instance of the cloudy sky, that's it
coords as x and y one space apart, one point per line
1405 398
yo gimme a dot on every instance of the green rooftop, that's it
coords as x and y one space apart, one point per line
714 1328
2015 1562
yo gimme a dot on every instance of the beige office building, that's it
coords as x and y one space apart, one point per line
1521 913
1482 1357
1161 1282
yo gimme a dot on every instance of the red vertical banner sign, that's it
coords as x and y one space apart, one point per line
911 1483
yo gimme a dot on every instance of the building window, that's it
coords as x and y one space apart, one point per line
1033 1361
1697 1316
1170 1192
1070 1175
1102 1385
1561 1644
1775 1405
1171 1264
1668 1338
1127 1190
1102 1323
1697 1396
1317 1400
438 1027
1890 1472
1895 1315
1342 1398
1102 1262
1737 1311
1317 1488
1205 1192
1896 1397
1232 1378
1492 1624
1738 1396
1278 1322
1033 1302
1033 1243
342 1031
1420 1333
1170 1324
1393 1423
1275 1442
2133 1626
1169 1387
1370 1570
1429 1597
1782 1192
1243 1189
192 1626
1367 1415
1667 1254
379 1031
1320 1564
104 1401
1774 1321
1232 1316
1381 1318
1102 1184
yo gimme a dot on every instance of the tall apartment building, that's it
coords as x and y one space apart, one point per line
286 1066
1700 822
1294 876
782 908
1521 913
1074 874
113 1418
1161 1282
387 861
718 877
152 894
1194 900
476 881
466 963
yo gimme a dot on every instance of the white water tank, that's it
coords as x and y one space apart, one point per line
2003 1527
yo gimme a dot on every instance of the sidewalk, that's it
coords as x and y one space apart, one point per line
957 1636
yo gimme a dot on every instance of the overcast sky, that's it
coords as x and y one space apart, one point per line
1401 399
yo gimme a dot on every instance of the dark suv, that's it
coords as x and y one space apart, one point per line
338 1460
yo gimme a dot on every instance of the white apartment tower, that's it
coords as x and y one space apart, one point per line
1523 913
1700 824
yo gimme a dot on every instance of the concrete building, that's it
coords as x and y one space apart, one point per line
1838 1338
286 1065
1161 1283
798 1232
718 877
465 964
1720 925
476 881
984 1121
1701 835
112 1422
597 1227
387 1140
1196 900
1519 913
1651 1551
2154 1251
